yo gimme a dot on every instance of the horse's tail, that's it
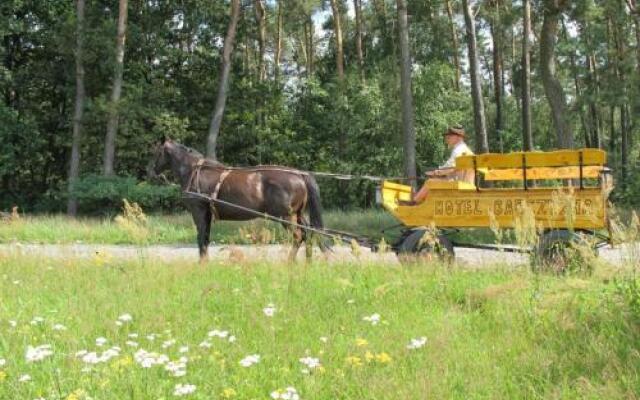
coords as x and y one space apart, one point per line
313 197
315 207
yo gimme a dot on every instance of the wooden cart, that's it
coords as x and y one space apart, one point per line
561 195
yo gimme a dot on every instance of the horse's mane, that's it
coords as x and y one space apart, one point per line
197 154
188 149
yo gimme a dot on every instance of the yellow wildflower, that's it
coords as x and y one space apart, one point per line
3 376
369 356
102 258
228 393
77 395
354 361
360 342
383 358
122 363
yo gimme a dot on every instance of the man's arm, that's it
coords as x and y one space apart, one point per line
441 172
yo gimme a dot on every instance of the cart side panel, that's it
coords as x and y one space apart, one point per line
506 208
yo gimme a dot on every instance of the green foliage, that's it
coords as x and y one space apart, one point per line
301 119
105 194
629 290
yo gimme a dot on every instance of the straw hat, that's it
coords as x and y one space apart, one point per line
455 130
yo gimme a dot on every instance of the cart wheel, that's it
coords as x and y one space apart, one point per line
416 247
562 250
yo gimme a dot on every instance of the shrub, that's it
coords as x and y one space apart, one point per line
103 195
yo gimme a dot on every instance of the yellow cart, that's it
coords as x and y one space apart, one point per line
560 195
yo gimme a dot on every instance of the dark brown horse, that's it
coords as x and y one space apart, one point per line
278 191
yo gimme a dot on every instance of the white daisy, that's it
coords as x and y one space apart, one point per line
269 310
310 362
148 360
289 393
125 318
417 343
183 389
59 327
250 360
176 368
38 353
218 333
374 319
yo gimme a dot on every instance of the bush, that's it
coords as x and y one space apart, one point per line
103 195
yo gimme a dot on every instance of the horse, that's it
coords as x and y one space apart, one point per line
280 192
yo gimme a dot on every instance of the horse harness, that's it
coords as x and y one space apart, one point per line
195 176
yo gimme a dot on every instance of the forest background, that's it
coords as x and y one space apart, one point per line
349 86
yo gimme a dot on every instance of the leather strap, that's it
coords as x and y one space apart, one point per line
223 176
216 191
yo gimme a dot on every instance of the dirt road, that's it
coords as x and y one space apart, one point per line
278 253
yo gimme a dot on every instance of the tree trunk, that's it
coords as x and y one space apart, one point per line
279 33
223 85
304 44
624 145
337 29
552 87
636 20
578 107
310 47
612 135
74 165
112 123
408 128
357 4
527 135
480 124
498 83
635 13
455 45
381 14
261 19
594 110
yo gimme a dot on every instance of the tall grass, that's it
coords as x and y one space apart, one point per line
171 229
490 334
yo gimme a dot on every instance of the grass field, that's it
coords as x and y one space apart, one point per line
171 229
496 333
179 229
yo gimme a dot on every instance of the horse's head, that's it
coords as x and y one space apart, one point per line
159 158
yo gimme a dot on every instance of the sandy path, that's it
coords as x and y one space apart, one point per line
274 253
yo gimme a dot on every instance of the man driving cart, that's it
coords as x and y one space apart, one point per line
454 137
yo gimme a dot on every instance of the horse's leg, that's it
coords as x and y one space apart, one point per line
201 214
297 238
306 236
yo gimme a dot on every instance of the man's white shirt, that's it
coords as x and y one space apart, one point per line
459 150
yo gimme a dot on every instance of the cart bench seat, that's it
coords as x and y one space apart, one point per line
449 185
